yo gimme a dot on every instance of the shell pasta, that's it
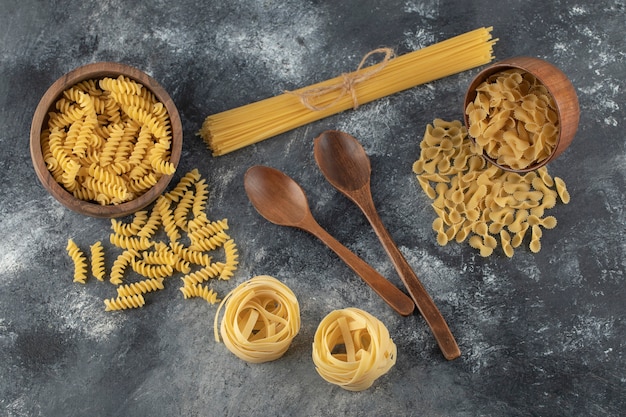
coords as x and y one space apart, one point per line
480 202
514 119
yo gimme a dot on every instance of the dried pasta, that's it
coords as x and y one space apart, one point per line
514 119
108 143
233 129
204 274
131 229
194 290
123 303
161 255
97 261
152 271
120 264
170 238
141 287
163 205
191 256
561 190
477 201
183 209
352 349
130 242
206 230
80 261
188 180
231 261
261 318
211 242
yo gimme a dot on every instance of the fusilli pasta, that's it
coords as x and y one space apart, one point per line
109 123
195 290
141 287
80 261
154 248
123 303
97 261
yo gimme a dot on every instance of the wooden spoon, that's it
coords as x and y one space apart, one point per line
344 163
280 200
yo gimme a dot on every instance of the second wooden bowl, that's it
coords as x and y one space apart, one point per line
557 84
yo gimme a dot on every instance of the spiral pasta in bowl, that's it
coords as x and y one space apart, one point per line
521 113
105 140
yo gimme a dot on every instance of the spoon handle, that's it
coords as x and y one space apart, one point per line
393 296
424 302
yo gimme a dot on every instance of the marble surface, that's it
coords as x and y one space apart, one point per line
540 334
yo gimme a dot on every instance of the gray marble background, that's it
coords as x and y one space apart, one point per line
540 334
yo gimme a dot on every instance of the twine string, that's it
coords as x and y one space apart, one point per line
347 84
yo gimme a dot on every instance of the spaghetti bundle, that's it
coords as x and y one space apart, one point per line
236 128
352 348
261 317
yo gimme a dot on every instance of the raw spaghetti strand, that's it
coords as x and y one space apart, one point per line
239 127
261 317
352 349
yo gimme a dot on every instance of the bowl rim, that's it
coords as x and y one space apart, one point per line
549 77
98 70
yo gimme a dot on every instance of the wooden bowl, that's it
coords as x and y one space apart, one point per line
557 84
40 121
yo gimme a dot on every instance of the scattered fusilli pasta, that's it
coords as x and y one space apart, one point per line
171 238
80 261
97 261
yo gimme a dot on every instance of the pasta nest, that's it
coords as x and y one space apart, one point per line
352 349
261 318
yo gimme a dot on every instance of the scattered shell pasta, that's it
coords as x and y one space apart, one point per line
479 202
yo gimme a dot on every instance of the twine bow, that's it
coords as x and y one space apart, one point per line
346 85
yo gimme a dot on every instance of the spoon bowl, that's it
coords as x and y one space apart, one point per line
345 164
343 161
275 196
279 199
